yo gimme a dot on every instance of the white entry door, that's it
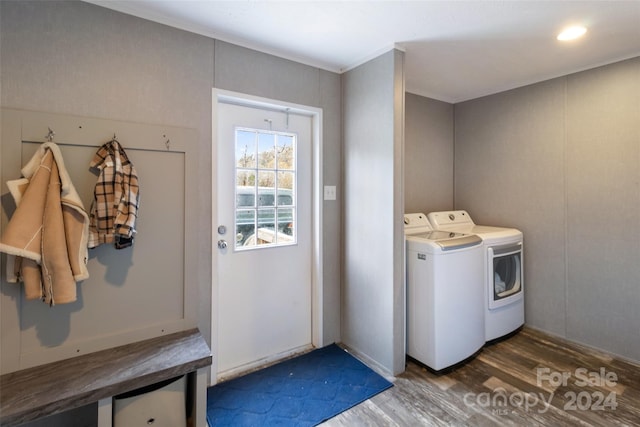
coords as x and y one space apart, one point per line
264 236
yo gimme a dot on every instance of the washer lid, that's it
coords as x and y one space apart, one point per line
448 240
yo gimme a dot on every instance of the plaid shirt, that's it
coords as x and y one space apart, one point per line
116 198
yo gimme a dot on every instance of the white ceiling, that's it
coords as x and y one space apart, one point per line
455 50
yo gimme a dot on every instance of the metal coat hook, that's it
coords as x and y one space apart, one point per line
50 135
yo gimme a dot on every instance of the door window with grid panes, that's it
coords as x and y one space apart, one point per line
265 166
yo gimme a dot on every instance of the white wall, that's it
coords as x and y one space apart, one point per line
372 294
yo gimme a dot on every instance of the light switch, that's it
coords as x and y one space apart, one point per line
329 192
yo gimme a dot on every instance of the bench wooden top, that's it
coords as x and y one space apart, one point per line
56 387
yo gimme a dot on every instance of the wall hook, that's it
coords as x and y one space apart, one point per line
50 135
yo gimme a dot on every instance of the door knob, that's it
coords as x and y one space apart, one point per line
222 244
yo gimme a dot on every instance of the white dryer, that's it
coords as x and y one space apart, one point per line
445 314
503 274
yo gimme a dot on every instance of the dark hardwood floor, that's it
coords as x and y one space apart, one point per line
528 379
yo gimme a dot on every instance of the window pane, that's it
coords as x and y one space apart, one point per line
286 225
245 149
266 151
266 197
245 226
286 180
246 178
286 153
285 197
245 197
267 179
266 220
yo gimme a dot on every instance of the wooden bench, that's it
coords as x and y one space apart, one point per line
56 387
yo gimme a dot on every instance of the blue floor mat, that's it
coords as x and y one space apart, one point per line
303 391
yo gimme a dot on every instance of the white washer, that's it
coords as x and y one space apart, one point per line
445 315
503 275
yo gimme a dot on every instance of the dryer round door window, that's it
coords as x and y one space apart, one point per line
506 277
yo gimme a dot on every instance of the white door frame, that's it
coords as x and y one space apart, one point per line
220 95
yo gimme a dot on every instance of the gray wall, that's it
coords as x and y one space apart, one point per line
372 294
81 59
428 181
560 160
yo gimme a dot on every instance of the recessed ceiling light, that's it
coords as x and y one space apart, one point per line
572 33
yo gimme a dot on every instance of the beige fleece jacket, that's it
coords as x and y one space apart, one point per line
48 231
